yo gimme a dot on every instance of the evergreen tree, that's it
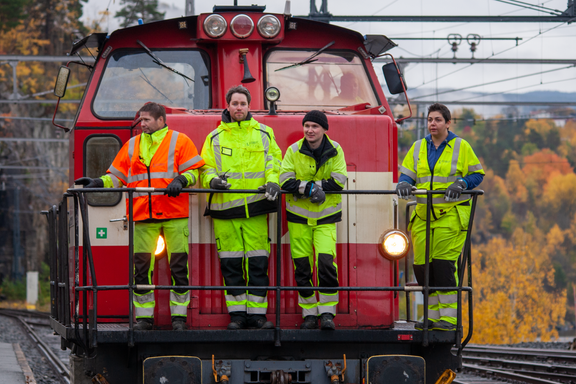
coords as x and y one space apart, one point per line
133 10
12 12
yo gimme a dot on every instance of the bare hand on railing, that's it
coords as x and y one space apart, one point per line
88 182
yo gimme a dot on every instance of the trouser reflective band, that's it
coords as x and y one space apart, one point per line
179 303
256 305
236 303
243 249
309 305
307 241
144 305
448 303
433 313
328 303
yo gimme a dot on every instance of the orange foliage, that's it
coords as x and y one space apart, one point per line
510 302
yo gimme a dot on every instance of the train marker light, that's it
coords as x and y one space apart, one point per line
242 26
269 26
393 244
159 246
272 94
215 25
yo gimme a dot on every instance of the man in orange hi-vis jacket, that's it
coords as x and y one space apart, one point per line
158 158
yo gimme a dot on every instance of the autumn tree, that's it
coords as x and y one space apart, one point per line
511 301
133 10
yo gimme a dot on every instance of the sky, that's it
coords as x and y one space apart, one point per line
539 40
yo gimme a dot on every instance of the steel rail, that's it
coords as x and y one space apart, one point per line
57 364
493 372
543 354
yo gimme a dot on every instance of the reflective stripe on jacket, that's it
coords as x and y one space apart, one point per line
247 153
176 155
456 161
301 165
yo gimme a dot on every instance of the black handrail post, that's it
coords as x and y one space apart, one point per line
429 197
53 248
277 342
406 264
85 247
131 268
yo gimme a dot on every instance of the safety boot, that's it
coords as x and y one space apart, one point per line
310 322
327 322
443 325
143 325
261 323
179 324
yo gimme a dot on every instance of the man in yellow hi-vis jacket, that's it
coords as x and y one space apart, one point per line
312 165
441 161
242 154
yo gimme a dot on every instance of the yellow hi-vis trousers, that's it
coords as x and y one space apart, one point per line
305 242
146 235
243 249
448 235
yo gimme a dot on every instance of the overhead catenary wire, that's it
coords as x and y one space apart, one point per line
494 54
492 82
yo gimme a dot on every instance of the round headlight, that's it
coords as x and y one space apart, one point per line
215 25
269 26
272 94
242 26
393 244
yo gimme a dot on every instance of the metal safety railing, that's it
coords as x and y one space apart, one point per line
59 275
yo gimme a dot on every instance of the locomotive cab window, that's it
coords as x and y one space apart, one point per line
335 80
132 78
99 153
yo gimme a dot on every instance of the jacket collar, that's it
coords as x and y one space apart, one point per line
327 153
451 135
227 119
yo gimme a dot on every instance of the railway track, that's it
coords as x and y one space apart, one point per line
45 341
522 365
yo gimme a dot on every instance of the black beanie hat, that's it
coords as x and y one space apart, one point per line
317 117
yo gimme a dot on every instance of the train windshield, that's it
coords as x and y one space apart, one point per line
132 78
334 80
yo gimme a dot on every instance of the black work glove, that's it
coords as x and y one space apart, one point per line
220 182
88 182
176 185
454 190
404 190
317 195
272 190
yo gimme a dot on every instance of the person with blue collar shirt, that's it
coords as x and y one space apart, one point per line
441 161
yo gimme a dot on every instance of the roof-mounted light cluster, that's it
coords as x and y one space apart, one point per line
242 26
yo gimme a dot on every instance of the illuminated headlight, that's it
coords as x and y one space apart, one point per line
242 26
393 244
159 246
215 25
272 94
269 26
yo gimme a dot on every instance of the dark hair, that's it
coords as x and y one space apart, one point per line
437 107
154 109
238 89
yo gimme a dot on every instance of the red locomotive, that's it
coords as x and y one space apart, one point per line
290 66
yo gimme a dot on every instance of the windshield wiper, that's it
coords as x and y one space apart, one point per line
310 59
157 60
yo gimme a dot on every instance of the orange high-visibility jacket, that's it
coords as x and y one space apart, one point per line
175 155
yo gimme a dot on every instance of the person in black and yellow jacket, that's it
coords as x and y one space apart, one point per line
242 154
311 166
